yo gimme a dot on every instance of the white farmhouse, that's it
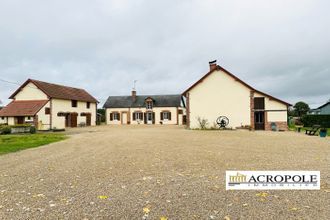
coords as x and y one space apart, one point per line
49 106
220 93
145 109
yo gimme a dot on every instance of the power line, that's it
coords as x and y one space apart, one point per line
15 83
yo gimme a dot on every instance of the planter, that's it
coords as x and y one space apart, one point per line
323 133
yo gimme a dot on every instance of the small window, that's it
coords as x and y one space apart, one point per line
137 116
29 118
3 118
74 103
47 111
114 116
149 105
88 105
165 115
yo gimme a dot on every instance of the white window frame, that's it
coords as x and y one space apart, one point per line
149 105
115 116
166 116
137 116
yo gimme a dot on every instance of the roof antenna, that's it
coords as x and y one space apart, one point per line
134 82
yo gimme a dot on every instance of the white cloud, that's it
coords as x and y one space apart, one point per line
280 47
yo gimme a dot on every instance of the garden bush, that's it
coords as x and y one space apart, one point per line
33 130
310 120
6 130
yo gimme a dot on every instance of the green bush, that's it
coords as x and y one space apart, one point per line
21 125
310 120
6 130
33 130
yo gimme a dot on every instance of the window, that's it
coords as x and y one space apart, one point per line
74 103
29 118
47 111
165 116
149 105
137 116
88 105
114 116
3 118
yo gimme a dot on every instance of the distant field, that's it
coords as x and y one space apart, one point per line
12 143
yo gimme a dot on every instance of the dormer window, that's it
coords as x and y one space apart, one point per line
149 105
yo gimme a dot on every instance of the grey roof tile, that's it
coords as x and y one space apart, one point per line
127 101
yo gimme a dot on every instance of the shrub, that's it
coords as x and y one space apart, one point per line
310 120
6 130
202 123
21 126
33 130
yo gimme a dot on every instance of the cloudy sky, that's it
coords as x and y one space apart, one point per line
279 47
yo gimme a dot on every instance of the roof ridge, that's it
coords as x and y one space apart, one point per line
35 80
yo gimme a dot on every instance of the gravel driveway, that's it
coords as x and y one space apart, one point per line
111 172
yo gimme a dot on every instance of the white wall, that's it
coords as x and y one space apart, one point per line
60 105
3 120
156 110
43 119
279 110
31 92
219 95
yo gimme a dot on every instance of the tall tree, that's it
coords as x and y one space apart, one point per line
301 108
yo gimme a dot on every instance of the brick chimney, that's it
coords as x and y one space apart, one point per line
133 95
213 65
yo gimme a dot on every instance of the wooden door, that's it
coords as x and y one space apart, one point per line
88 119
73 120
67 120
20 120
259 120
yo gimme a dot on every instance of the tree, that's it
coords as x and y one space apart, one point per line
301 108
101 111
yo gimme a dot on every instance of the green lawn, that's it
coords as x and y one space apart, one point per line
12 143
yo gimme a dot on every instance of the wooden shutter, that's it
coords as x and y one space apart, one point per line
161 116
153 117
111 116
134 116
169 116
145 118
118 116
259 103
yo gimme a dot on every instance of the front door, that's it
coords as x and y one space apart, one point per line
259 120
20 120
73 120
88 120
149 117
124 118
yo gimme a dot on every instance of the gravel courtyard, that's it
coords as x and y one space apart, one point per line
111 172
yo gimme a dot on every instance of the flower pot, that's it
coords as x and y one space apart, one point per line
323 133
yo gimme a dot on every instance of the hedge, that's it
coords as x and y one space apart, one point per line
310 120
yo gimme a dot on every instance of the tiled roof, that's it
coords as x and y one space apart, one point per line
127 101
59 91
22 108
